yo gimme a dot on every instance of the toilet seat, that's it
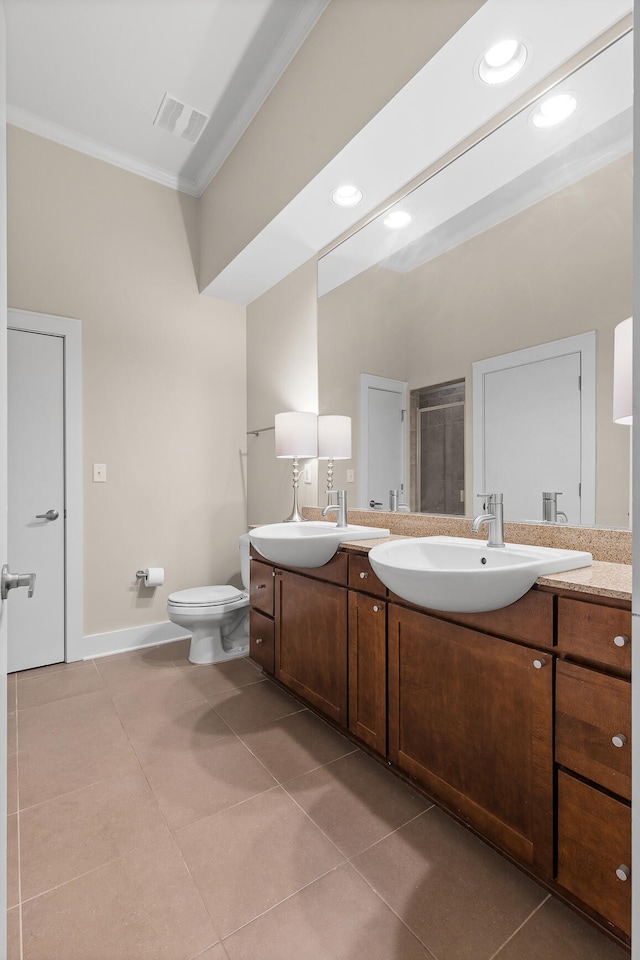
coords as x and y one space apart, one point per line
206 596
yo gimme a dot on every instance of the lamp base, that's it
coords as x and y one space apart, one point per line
295 516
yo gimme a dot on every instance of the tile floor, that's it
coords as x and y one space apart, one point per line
164 811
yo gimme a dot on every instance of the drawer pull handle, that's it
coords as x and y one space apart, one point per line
259 640
618 740
621 640
364 575
539 663
376 608
260 586
623 872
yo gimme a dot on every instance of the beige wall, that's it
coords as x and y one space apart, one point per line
560 268
282 374
163 372
357 57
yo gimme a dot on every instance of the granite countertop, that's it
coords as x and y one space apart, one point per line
602 578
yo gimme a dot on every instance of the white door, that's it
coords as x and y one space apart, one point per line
36 531
523 456
382 440
534 428
3 485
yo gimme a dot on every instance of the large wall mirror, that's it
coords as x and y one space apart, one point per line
523 240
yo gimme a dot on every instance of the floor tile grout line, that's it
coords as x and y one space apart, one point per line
413 933
100 866
519 928
289 896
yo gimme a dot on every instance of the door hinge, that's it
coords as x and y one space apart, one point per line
579 383
403 414
579 489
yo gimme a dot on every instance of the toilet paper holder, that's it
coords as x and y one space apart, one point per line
151 577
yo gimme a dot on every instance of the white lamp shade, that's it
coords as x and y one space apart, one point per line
296 434
334 438
623 372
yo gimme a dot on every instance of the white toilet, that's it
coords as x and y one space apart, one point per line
217 617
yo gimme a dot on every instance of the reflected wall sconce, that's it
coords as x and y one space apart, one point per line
334 443
623 372
296 438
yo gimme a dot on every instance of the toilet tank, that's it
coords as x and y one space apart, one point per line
245 545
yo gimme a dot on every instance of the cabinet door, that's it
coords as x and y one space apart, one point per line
594 849
311 641
261 640
368 670
261 592
470 716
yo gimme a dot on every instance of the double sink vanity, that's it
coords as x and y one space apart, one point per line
515 715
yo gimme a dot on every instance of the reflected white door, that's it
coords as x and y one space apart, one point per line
382 442
534 428
36 529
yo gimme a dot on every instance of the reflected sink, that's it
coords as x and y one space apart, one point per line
465 576
308 543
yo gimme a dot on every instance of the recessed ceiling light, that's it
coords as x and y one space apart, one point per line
502 61
347 196
397 219
554 110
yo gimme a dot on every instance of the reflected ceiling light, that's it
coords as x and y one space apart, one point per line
554 110
347 195
397 219
502 61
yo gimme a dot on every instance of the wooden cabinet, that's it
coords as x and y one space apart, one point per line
311 641
593 754
518 720
470 717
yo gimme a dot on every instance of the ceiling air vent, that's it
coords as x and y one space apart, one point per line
180 119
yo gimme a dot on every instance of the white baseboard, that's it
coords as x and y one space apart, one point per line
132 638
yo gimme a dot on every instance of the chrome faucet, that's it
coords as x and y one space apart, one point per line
493 518
340 507
550 512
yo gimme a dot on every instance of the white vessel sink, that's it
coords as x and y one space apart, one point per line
465 576
309 543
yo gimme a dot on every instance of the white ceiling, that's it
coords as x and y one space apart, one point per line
91 74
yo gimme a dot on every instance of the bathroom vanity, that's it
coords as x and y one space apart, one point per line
517 721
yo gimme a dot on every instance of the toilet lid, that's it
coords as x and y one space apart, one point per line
205 596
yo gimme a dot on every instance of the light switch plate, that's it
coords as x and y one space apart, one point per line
351 476
99 473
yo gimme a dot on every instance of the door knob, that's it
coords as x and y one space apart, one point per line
49 515
8 581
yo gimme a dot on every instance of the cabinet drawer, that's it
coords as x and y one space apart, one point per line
362 577
595 632
262 587
593 726
594 849
262 640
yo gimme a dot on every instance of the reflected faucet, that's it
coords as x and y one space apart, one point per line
340 506
493 518
550 512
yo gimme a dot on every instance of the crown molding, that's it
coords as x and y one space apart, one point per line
92 148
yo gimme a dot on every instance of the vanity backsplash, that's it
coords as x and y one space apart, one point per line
612 546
